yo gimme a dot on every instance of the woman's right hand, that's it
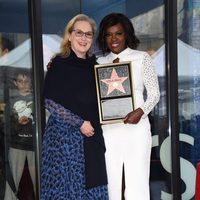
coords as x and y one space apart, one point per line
87 129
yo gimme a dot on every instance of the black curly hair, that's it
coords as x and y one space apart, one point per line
111 20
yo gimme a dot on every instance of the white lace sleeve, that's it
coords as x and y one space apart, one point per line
151 85
62 114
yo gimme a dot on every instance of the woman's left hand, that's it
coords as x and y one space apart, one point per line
134 116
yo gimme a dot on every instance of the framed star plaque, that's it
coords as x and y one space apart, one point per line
114 86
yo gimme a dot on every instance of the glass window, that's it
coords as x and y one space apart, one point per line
17 120
189 92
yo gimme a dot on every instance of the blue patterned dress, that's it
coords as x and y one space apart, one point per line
63 169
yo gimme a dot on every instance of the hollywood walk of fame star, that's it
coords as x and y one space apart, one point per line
115 82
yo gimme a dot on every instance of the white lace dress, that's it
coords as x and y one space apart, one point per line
129 145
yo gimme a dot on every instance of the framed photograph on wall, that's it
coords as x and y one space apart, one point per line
114 85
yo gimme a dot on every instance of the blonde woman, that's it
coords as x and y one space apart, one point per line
73 163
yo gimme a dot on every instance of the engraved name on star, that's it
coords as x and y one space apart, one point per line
115 82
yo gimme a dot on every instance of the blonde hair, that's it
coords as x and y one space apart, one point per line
65 44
